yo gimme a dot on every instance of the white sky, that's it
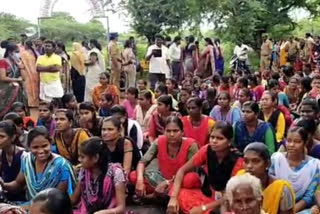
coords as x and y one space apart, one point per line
30 9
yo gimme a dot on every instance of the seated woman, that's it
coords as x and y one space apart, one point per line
131 102
105 88
20 108
69 101
51 201
89 119
159 165
46 117
101 185
10 79
11 156
164 110
251 129
106 103
301 170
144 110
278 195
223 111
244 195
22 134
293 91
41 169
220 163
271 114
244 96
68 139
197 125
122 150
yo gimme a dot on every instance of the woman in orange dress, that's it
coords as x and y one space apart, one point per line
31 83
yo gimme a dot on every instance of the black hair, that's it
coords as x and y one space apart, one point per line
311 102
253 79
144 81
118 109
187 90
315 77
191 39
302 132
107 97
9 128
133 91
225 127
50 106
275 76
244 81
9 49
247 92
216 78
225 79
272 83
68 113
211 93
306 83
66 99
94 54
29 44
162 88
4 44
146 94
177 38
226 94
158 36
38 131
309 125
106 74
259 148
115 121
16 105
176 120
208 40
166 100
15 117
173 82
92 147
42 38
50 42
252 105
288 71
197 101
274 97
90 107
54 201
96 44
127 44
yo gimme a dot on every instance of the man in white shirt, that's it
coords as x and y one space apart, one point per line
175 58
241 51
159 62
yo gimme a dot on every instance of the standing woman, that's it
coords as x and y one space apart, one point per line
220 164
197 125
41 169
295 166
164 110
219 60
190 55
89 119
129 64
65 72
31 84
207 67
223 111
10 79
92 76
68 139
96 48
11 156
77 60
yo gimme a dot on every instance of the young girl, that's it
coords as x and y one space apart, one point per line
46 117
197 91
131 102
89 120
172 86
20 108
69 102
106 103
101 184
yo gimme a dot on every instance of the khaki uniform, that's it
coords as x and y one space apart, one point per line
266 50
114 56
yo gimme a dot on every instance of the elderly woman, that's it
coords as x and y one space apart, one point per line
244 195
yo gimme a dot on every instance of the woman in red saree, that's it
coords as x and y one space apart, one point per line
206 66
219 163
197 125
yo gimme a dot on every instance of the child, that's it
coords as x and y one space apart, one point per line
188 77
106 103
142 84
69 102
101 184
197 90
46 117
20 108
131 102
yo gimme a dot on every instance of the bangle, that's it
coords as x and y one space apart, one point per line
203 208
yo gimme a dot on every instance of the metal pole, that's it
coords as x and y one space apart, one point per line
39 28
108 30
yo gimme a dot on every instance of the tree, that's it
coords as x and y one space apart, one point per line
12 26
151 17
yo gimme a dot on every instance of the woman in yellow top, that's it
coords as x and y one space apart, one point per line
278 195
284 48
270 113
68 139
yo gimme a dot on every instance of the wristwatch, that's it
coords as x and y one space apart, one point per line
203 208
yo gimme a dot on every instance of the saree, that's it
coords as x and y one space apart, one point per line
92 80
10 92
31 83
70 152
58 170
93 196
144 119
109 89
207 65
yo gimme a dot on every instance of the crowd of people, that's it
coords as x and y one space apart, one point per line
193 139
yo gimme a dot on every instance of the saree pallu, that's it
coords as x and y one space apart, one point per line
10 93
51 176
31 83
